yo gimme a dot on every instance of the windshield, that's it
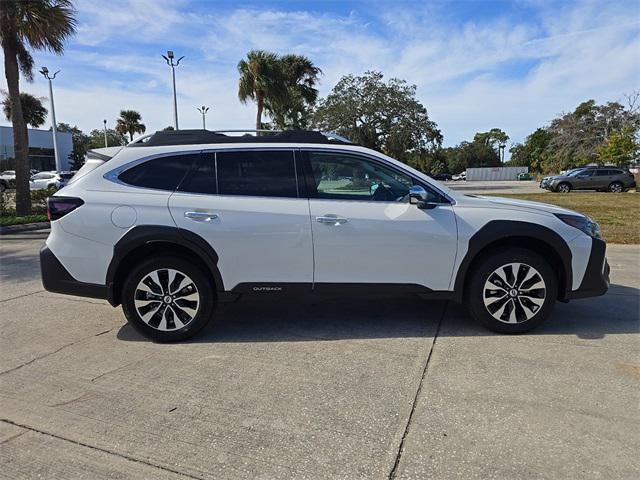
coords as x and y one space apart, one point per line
574 173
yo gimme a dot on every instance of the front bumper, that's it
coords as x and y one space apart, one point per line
596 277
56 278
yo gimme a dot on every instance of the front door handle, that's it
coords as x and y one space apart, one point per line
331 219
201 216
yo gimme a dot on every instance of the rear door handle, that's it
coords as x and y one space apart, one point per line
201 216
331 219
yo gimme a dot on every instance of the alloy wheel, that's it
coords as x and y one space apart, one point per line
563 188
514 293
615 188
166 299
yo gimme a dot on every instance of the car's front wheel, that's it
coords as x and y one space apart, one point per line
563 188
512 291
168 298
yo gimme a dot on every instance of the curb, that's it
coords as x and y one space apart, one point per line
23 228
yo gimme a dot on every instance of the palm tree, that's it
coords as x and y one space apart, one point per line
33 112
129 122
301 77
40 25
261 78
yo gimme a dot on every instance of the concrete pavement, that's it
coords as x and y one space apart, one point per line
324 388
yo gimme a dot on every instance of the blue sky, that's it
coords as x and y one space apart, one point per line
477 64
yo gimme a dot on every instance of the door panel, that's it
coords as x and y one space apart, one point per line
381 242
257 239
246 205
366 231
586 180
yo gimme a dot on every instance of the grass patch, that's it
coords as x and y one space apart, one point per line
5 221
615 212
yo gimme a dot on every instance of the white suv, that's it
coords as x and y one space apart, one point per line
172 225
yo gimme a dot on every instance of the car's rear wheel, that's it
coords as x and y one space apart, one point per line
563 188
168 298
512 291
616 187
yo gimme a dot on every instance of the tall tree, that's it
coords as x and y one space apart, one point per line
33 111
576 136
130 122
261 79
533 152
40 25
301 77
494 138
80 141
620 148
385 116
114 139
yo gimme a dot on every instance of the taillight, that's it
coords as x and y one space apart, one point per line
58 207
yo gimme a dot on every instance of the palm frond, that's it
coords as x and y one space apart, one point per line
46 24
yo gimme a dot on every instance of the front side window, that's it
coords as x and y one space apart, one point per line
342 176
268 173
163 173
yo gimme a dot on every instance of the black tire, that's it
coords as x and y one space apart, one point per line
530 303
3 186
563 187
169 327
616 187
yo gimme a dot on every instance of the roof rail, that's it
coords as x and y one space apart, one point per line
196 137
141 139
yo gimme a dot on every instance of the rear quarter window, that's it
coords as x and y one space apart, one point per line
163 173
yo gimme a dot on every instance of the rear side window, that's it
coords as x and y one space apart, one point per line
203 177
257 173
164 173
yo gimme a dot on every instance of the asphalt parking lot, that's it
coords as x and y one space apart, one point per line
323 388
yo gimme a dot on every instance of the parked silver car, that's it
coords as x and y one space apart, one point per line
603 179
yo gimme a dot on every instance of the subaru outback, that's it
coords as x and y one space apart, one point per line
180 221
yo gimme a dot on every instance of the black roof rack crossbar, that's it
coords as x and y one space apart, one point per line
196 137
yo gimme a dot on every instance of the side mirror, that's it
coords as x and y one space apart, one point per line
418 196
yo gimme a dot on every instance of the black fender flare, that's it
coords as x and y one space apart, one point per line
497 231
149 234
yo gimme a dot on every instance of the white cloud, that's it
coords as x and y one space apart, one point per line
472 74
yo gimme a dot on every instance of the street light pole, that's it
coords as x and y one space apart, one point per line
105 133
45 72
203 110
169 59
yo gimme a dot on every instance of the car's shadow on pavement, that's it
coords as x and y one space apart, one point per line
336 318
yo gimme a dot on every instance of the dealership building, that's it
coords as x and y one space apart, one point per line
41 156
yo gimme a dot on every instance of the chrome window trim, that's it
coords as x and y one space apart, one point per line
112 175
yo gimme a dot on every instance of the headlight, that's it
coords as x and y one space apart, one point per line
582 223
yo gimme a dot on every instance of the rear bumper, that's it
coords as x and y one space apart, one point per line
596 277
56 278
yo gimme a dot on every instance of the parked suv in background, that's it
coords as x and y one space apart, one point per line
49 180
609 179
182 220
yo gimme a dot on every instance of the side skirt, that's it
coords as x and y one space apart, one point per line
293 290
